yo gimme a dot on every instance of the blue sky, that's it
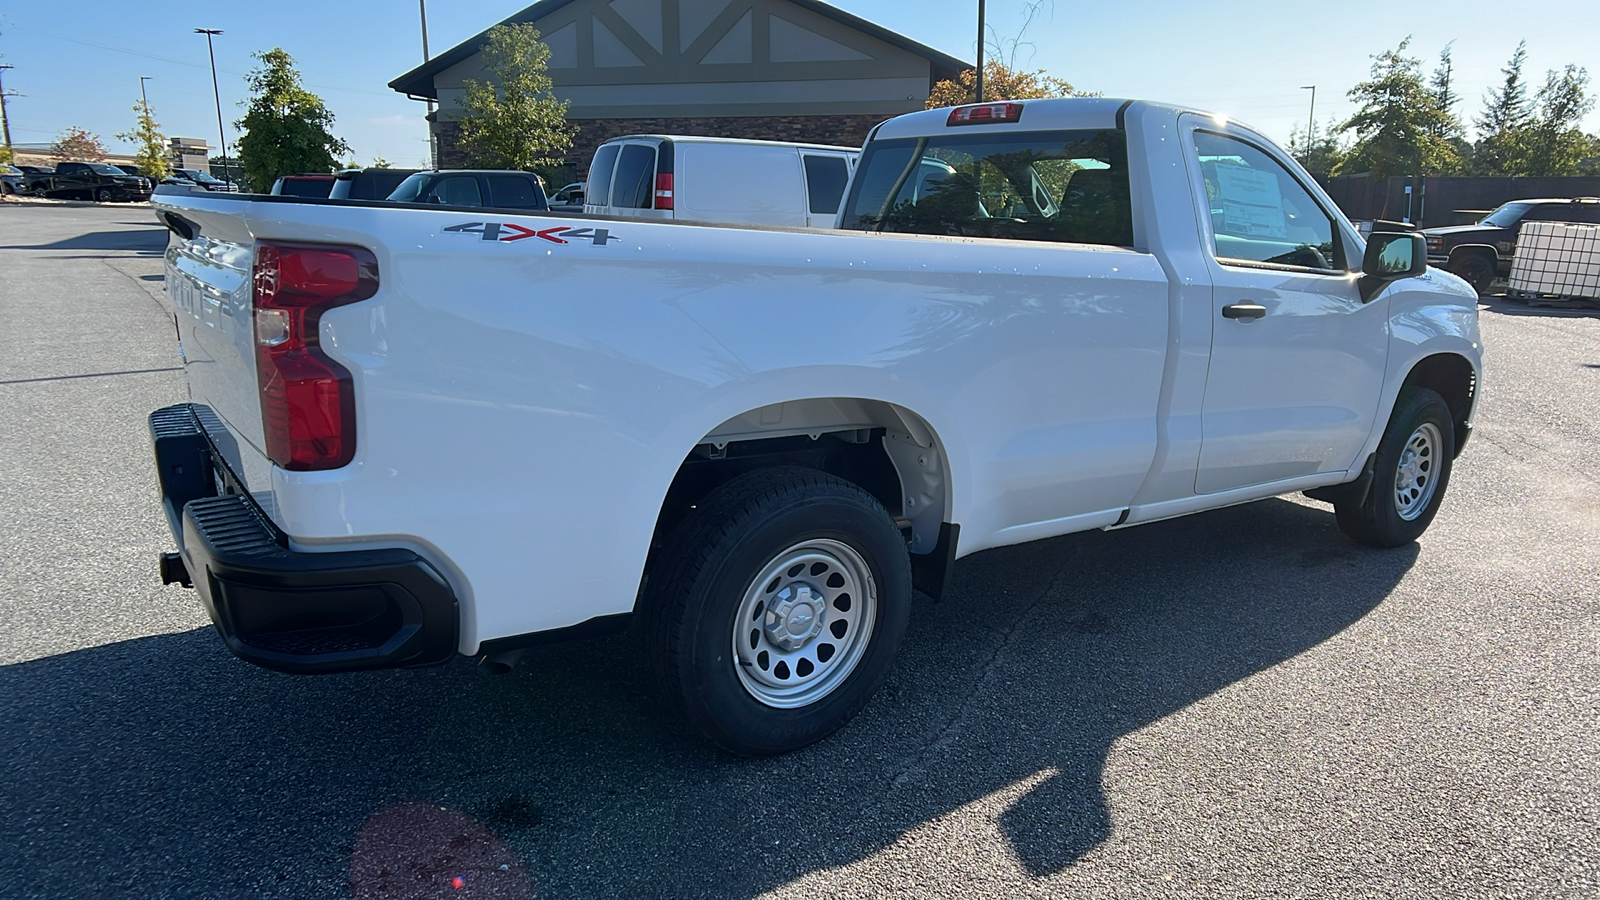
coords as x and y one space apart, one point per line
79 64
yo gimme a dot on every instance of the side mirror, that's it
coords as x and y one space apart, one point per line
1391 256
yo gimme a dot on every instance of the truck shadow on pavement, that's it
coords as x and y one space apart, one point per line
161 766
151 241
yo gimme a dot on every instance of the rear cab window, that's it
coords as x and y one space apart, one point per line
1062 186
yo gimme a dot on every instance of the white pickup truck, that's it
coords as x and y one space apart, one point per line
422 431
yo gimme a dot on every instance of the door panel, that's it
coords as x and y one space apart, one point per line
1297 359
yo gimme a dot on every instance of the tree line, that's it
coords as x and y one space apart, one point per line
1407 123
510 120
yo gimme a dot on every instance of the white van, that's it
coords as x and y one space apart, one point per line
705 179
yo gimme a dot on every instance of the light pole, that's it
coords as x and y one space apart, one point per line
979 91
433 144
1311 120
217 93
5 123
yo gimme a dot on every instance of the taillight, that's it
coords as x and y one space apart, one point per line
308 407
985 114
664 190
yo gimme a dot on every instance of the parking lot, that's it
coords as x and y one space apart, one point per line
1239 703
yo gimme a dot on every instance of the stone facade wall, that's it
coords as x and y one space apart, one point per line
842 130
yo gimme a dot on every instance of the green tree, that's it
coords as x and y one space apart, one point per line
1552 143
1398 122
75 143
513 120
1319 151
286 126
151 157
6 156
1502 128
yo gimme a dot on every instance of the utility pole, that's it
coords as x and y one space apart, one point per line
5 123
979 91
1311 120
142 95
433 141
217 93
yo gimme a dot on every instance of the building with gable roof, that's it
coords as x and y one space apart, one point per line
785 70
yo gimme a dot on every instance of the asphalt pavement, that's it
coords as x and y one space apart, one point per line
1241 703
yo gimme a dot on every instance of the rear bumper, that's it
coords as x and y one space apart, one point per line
286 609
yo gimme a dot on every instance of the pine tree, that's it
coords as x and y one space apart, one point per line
1506 115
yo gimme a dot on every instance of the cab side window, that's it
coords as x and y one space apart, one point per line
1260 214
455 190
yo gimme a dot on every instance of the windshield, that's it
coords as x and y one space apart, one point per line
1507 215
103 169
409 189
8 170
197 175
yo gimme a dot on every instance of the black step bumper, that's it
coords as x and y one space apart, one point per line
285 609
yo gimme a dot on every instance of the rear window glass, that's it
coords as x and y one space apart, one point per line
514 192
605 159
1069 186
635 183
825 180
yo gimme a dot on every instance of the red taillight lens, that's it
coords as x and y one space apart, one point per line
308 408
664 191
985 114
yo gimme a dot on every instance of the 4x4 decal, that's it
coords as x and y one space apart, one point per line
506 232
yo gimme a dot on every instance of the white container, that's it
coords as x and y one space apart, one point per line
1557 259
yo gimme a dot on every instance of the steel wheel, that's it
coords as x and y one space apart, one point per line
1414 480
804 623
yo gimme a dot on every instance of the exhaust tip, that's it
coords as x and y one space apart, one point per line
500 663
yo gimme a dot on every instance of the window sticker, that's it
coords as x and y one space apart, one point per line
1251 203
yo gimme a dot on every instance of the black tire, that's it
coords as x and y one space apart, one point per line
711 567
1381 520
1476 269
103 195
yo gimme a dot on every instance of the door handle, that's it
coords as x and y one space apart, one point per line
1244 311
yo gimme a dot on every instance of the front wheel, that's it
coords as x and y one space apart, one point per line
1410 473
777 608
103 195
1476 269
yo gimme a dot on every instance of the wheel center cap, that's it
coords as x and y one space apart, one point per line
794 617
1408 470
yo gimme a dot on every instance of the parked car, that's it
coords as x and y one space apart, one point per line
499 188
37 177
13 180
568 199
416 432
1481 253
368 184
202 180
719 180
305 185
92 181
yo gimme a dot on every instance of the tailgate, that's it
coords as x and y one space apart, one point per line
208 284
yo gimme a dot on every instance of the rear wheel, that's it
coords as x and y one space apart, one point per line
777 607
1476 269
1410 474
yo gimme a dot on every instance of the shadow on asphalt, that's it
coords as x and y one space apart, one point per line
1506 306
163 766
151 242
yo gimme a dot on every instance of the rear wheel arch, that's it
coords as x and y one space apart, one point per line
887 450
